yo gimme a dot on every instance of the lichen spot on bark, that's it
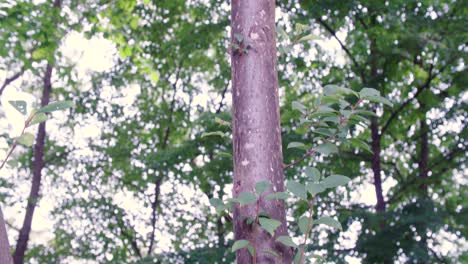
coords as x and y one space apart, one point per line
245 162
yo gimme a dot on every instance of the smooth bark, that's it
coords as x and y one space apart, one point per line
256 125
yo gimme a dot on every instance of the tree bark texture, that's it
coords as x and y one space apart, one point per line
5 256
38 165
256 124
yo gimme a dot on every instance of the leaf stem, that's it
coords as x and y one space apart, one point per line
15 143
256 231
309 228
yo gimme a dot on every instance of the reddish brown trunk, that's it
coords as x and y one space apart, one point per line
256 123
5 256
38 165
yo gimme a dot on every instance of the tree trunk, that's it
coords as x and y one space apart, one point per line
38 165
5 256
256 124
380 206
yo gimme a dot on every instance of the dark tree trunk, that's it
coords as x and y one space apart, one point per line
424 155
380 206
5 256
38 165
256 123
423 172
375 131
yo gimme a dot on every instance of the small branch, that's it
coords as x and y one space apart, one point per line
308 154
10 80
333 33
309 228
418 92
223 94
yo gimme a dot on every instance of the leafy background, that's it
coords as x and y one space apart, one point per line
128 174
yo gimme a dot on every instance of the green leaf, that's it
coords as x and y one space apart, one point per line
134 22
330 89
315 188
297 255
297 189
366 92
223 155
238 37
13 163
313 174
20 105
374 96
282 33
56 106
277 195
364 112
251 250
38 118
308 38
303 224
335 181
299 28
298 106
323 131
215 202
154 77
270 225
246 198
359 118
287 241
326 148
260 187
218 204
26 139
222 122
378 99
42 53
360 144
325 109
271 252
326 220
215 133
239 244
295 145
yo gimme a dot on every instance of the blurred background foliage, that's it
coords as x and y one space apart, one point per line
136 188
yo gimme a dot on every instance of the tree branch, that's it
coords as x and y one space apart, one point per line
418 92
308 154
158 182
10 80
346 50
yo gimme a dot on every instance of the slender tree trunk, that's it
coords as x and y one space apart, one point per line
256 124
5 256
375 133
38 165
424 155
380 206
423 172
